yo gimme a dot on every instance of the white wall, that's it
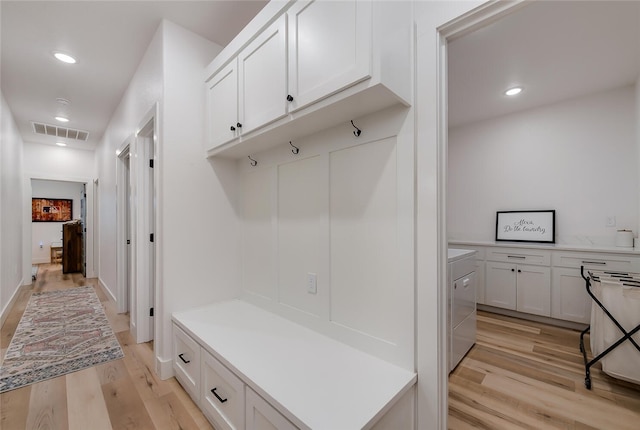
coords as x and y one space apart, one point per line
50 162
144 90
578 157
431 246
197 237
11 208
46 233
338 209
196 261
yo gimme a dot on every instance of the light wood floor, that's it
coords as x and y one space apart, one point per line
519 375
525 375
121 394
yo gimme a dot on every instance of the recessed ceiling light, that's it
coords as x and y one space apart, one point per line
513 91
65 58
61 144
62 119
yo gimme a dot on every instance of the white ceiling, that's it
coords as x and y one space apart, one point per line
556 50
108 38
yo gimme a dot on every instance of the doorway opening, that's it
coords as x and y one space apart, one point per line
136 223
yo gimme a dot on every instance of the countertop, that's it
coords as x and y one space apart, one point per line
550 246
315 381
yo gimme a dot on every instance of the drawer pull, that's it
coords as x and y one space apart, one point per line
213 391
604 263
183 360
516 256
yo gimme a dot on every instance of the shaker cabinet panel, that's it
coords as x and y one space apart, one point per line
500 287
262 71
518 287
186 362
329 48
534 290
222 394
222 106
570 300
260 415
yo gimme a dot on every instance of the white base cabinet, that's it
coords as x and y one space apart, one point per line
247 368
519 287
544 280
186 363
223 395
262 416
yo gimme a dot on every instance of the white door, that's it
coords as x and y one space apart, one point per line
222 106
329 48
262 71
500 286
534 290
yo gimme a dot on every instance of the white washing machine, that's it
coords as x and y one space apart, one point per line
462 304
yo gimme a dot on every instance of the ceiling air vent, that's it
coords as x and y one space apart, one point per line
54 130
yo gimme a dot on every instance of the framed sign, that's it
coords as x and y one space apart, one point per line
51 210
526 226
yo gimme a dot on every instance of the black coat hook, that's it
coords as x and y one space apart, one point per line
252 162
295 149
357 132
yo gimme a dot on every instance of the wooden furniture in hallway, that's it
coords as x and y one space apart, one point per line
72 243
56 254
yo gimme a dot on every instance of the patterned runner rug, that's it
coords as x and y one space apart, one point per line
60 332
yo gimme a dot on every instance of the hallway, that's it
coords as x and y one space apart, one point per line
119 394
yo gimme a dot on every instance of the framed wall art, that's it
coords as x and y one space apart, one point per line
51 210
526 226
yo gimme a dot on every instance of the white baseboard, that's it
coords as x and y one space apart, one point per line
10 303
41 261
107 291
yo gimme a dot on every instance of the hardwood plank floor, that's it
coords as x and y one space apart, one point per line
120 394
527 375
520 375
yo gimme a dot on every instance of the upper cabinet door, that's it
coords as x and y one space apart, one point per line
262 71
329 48
222 106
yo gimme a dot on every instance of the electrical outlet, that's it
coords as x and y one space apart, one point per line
312 283
611 221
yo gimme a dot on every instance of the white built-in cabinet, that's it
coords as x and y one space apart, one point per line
329 48
251 90
247 368
222 107
313 65
518 287
570 300
260 415
516 280
545 280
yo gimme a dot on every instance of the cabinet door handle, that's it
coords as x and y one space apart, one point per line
289 98
233 128
213 391
604 263
516 256
183 360
238 125
519 271
513 270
